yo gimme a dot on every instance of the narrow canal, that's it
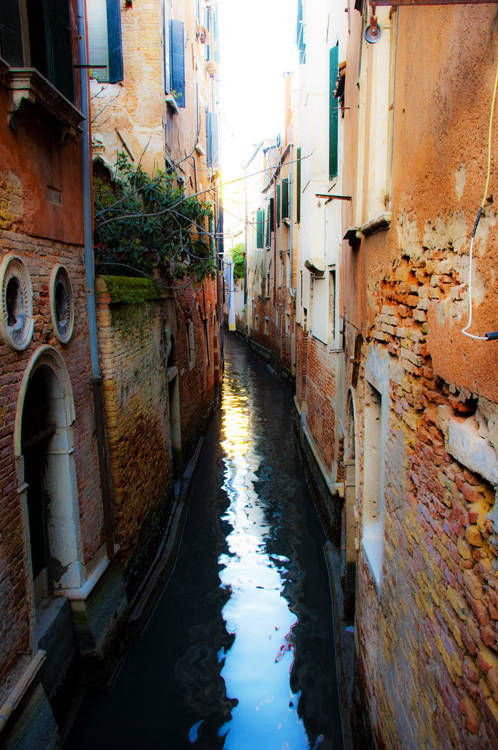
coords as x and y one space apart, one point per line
239 651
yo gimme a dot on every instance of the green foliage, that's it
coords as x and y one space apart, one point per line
143 222
238 253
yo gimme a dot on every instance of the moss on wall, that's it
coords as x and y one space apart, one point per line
131 290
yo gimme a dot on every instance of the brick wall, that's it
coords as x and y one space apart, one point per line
133 354
427 644
35 166
197 383
134 316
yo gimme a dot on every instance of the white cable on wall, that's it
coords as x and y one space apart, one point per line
479 213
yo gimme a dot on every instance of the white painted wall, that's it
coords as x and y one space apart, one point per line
320 234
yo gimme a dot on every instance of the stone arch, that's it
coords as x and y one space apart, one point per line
46 475
350 495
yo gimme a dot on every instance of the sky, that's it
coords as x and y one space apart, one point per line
257 46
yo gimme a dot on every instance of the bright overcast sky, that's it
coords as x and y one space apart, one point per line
257 46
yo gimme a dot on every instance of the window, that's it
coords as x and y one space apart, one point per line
300 33
269 225
62 304
279 190
373 490
166 45
190 344
37 34
285 198
16 311
11 45
298 186
212 139
104 40
260 221
372 197
177 61
332 325
333 113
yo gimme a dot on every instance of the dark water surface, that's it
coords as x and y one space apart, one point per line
239 652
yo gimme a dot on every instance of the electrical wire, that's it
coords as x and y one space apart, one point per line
479 213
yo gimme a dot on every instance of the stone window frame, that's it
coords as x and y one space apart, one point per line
63 329
377 378
14 270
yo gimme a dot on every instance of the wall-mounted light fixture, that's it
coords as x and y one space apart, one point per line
373 31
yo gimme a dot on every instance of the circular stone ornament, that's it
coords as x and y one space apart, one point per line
16 311
61 303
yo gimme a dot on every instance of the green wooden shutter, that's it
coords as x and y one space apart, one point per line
260 218
333 114
177 46
272 214
278 203
59 46
285 198
115 43
267 223
298 186
10 33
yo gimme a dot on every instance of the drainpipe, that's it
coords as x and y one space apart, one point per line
103 454
291 225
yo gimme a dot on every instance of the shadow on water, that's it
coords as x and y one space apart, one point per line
238 653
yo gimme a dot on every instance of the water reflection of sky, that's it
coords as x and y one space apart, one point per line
257 667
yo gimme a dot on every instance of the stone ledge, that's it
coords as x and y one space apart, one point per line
29 85
378 224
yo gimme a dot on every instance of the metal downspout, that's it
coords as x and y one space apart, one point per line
104 462
291 225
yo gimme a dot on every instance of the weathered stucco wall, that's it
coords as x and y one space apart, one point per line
427 612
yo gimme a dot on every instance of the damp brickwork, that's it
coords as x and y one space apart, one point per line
132 355
143 335
200 374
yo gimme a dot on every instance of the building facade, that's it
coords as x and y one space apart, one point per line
154 100
396 387
421 398
56 559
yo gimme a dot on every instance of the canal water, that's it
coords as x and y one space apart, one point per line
238 653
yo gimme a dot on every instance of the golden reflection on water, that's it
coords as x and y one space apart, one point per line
236 424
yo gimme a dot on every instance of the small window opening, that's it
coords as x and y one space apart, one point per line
14 304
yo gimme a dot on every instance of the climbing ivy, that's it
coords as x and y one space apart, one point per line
144 221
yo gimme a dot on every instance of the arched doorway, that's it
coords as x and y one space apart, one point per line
48 491
349 513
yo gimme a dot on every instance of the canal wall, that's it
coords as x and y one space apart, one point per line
158 355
